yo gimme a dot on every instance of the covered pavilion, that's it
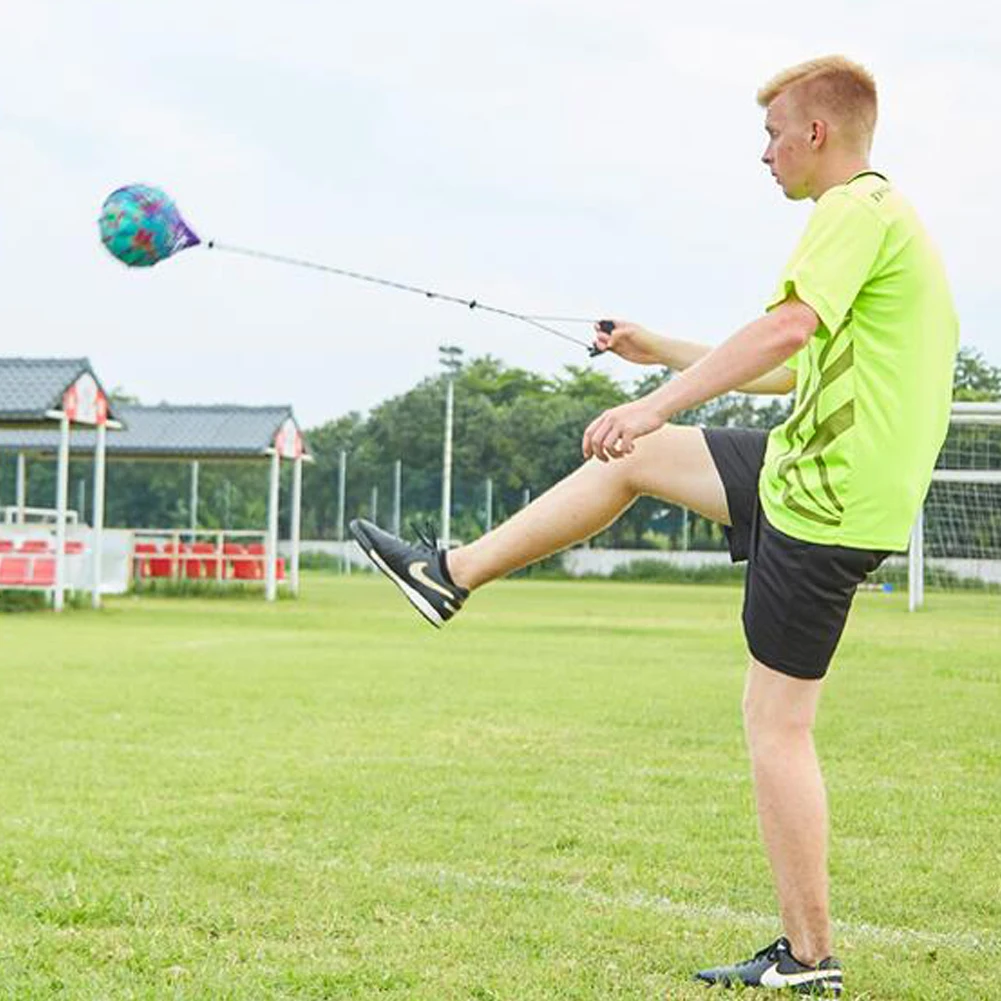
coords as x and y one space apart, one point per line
53 397
217 433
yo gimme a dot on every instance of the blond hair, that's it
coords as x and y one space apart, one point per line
831 85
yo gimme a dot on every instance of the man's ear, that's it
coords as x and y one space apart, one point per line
818 133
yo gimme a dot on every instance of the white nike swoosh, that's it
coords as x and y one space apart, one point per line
417 571
772 978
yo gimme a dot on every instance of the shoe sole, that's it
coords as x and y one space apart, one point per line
412 595
829 987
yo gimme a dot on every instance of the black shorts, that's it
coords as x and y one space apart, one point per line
797 594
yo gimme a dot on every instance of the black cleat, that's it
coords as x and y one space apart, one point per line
418 570
775 966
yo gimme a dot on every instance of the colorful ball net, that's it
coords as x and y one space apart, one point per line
141 226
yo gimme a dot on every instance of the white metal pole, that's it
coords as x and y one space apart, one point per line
490 503
397 495
446 473
97 537
526 497
374 506
342 475
194 498
22 487
62 499
296 523
271 546
684 529
916 565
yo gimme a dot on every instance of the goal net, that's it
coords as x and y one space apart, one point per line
956 543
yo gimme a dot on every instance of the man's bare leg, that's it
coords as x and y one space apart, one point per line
673 464
779 713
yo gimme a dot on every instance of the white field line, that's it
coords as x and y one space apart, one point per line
965 941
638 901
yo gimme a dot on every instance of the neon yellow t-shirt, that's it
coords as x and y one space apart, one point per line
851 466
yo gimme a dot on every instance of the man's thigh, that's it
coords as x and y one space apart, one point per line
675 465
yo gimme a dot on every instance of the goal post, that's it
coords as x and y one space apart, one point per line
956 540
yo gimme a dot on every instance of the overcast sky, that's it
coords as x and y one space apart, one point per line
547 156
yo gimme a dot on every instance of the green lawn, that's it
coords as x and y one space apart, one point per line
215 799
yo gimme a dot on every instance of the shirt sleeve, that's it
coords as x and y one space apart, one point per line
793 362
834 258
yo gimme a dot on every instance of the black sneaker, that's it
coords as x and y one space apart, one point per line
418 570
776 966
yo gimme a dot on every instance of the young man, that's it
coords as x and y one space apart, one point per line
863 327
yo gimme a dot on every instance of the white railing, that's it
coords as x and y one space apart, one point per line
14 515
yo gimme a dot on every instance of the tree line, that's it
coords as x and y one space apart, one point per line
519 429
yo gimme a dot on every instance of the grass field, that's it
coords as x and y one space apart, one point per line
214 799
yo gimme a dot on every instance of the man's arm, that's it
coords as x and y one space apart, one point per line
749 354
637 344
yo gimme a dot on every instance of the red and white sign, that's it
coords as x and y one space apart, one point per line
288 441
84 403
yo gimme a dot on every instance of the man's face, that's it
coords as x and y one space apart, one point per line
789 154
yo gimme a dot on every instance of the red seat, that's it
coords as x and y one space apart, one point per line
239 565
209 567
143 567
74 548
163 567
43 572
248 568
6 545
35 546
13 571
257 550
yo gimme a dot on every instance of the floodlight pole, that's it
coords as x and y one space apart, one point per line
490 503
450 357
62 500
296 524
373 508
342 475
397 495
97 536
446 474
271 544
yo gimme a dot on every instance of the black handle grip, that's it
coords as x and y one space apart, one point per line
606 327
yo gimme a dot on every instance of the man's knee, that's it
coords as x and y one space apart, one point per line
770 725
778 708
674 464
662 449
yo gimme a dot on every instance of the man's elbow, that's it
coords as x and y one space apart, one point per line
795 323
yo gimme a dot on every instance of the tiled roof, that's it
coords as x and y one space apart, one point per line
31 387
169 431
